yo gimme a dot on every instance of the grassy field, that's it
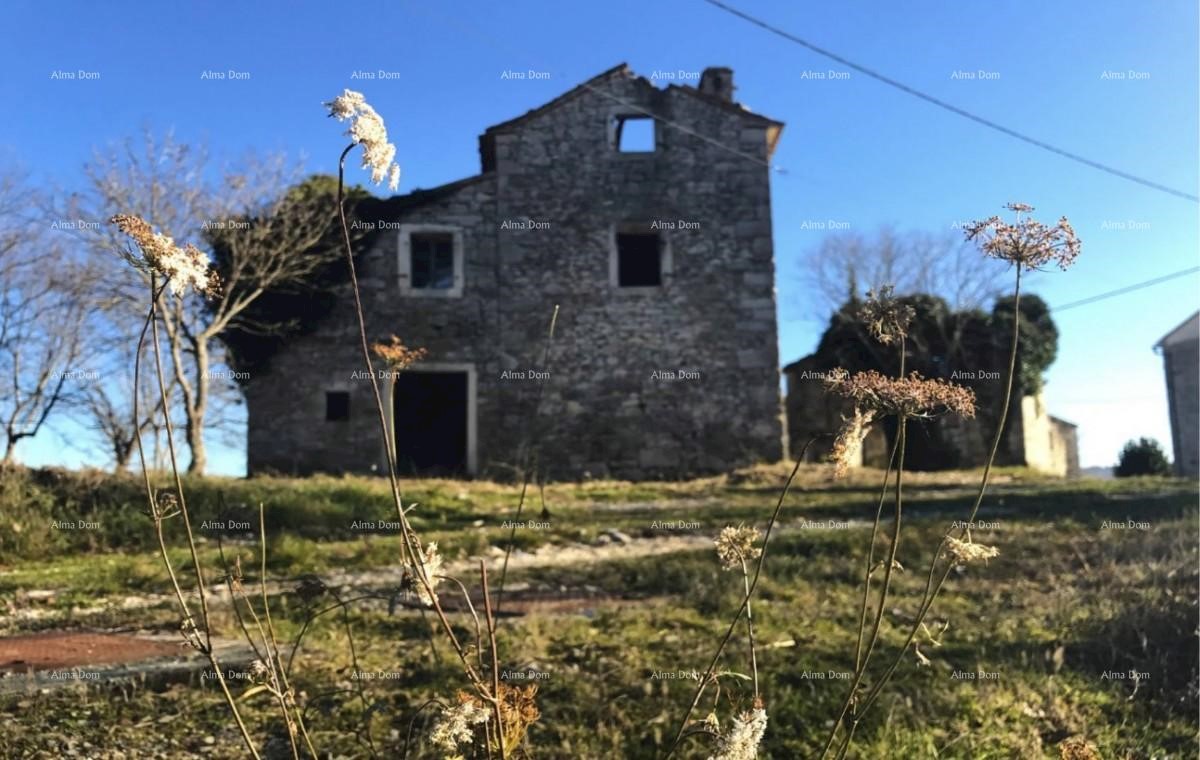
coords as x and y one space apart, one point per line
1084 626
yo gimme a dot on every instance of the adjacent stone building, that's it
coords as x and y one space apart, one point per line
642 213
1181 362
1034 438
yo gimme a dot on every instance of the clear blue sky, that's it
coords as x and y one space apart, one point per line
853 150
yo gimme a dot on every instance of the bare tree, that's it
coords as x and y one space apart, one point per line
109 404
942 265
41 316
266 230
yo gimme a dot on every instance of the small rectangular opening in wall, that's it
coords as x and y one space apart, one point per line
432 260
337 406
634 134
639 259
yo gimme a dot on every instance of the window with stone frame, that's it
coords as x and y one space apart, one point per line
432 260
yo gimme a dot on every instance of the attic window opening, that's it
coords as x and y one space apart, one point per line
639 259
634 134
432 260
337 406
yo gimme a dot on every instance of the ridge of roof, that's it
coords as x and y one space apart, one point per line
620 68
1163 341
727 105
421 196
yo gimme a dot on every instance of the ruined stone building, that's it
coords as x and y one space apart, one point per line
1180 350
644 214
1034 438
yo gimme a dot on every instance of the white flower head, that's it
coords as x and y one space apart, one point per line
367 129
744 736
184 268
455 724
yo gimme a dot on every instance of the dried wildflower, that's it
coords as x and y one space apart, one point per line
431 561
258 671
741 743
912 396
518 710
886 319
1077 748
455 725
184 268
736 545
1026 242
966 552
847 447
166 504
397 355
367 129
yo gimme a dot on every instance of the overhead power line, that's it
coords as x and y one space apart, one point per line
950 107
1126 289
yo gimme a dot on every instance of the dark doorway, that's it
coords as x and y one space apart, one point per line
431 423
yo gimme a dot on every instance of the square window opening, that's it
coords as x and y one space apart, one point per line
432 260
634 134
639 260
337 406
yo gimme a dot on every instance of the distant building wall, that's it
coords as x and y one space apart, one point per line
1181 363
1034 438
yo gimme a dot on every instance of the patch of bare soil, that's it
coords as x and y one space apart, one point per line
72 649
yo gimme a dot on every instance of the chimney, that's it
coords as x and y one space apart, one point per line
718 81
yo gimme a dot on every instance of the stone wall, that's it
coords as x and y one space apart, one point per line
1034 438
1181 363
659 382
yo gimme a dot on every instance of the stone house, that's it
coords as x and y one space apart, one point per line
1180 350
644 214
1034 438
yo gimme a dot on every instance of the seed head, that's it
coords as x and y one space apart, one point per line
1077 748
367 129
968 552
1026 241
184 268
259 671
397 355
737 545
886 319
913 396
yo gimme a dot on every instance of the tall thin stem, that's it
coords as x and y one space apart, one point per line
155 294
410 542
750 630
491 626
870 569
762 558
932 589
861 670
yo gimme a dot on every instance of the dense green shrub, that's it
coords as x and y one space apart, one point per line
1142 457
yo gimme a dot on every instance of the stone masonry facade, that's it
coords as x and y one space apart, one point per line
670 379
1181 365
1034 438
